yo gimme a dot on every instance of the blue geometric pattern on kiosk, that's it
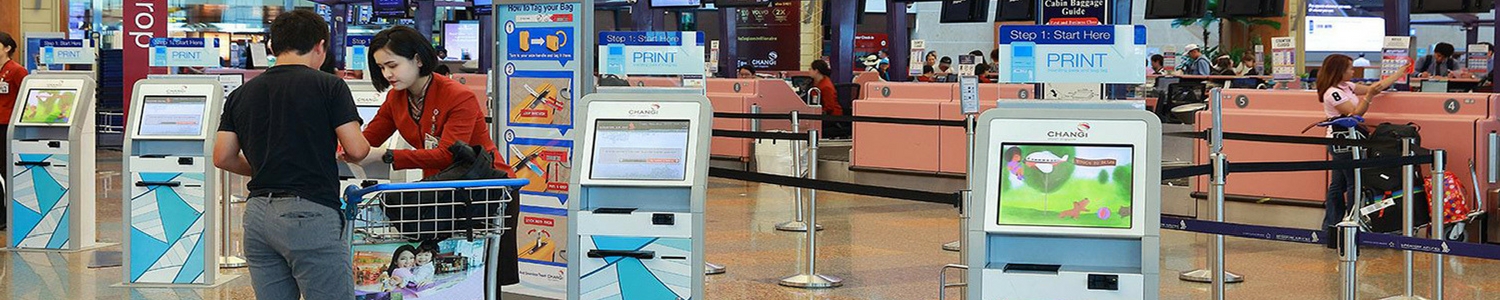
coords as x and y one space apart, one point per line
39 208
166 230
631 278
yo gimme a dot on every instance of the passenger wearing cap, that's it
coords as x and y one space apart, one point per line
883 67
1223 65
1195 64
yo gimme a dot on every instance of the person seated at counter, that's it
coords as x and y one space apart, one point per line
442 53
1439 64
944 67
1158 64
1247 66
1195 64
930 64
746 71
1224 66
883 67
829 97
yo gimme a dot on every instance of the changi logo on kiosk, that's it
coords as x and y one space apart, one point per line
1082 133
646 112
177 90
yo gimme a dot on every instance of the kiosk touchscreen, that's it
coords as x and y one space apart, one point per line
1066 202
51 173
171 207
638 217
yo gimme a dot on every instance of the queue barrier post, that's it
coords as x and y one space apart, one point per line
1216 256
811 278
798 154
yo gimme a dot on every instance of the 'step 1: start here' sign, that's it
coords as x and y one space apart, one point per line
1073 54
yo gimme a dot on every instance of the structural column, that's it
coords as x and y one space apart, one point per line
729 55
1397 17
645 18
336 33
486 37
426 14
843 14
898 45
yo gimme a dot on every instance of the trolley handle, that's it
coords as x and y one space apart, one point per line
353 195
637 254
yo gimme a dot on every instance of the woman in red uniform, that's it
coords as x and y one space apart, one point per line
11 74
431 112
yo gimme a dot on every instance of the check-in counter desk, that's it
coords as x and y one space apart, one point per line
655 81
774 96
1461 123
249 74
919 148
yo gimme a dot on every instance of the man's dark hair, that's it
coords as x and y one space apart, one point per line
945 60
1489 46
822 67
747 67
442 69
977 53
300 30
1157 58
8 41
1445 49
404 42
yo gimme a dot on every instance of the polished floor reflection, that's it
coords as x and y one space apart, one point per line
885 249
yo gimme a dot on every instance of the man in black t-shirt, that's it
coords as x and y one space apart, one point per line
283 130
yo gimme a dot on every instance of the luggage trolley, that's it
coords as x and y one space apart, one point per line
427 240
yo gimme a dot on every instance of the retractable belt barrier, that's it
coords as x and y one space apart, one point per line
760 135
1295 235
861 119
1286 139
1399 242
834 186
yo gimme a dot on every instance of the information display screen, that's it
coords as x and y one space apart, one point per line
640 150
1066 185
676 3
49 106
366 113
1345 25
163 116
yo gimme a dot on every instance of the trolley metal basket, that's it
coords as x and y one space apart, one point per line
428 240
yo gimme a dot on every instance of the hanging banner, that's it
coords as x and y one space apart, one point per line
62 51
865 45
1075 12
651 53
1076 54
1283 58
770 38
184 52
143 21
1395 54
358 55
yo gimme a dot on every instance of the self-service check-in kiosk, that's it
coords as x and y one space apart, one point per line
1066 198
171 204
638 217
51 168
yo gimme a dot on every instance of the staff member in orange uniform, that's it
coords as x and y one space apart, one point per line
432 112
11 74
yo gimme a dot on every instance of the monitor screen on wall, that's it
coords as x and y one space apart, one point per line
1345 25
48 106
638 149
172 116
1066 185
461 39
676 3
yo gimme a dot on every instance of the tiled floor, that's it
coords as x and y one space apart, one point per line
885 249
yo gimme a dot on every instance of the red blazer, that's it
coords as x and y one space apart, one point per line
451 114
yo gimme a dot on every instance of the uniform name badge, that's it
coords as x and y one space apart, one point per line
429 141
4 87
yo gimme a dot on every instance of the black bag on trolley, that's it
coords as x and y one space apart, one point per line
469 163
1383 199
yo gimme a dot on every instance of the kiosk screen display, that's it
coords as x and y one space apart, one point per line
366 113
1066 185
49 106
640 150
172 116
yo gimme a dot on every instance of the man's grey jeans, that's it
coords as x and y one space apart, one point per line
297 248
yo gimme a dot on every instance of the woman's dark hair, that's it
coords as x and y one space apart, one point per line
822 67
932 54
746 67
1332 73
994 55
300 30
1157 58
395 256
404 42
1011 152
980 69
428 246
8 41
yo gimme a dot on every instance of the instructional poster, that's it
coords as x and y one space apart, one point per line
540 78
1395 54
1283 58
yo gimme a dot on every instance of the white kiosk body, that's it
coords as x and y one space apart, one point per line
1066 202
171 200
51 173
637 219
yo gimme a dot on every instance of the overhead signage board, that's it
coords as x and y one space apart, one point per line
651 53
64 51
1075 12
184 52
358 51
1073 54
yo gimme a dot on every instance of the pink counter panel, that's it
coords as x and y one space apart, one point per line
477 84
918 148
774 96
1463 132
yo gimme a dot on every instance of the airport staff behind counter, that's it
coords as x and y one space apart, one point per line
1438 64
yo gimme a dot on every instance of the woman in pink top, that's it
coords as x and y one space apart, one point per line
1341 98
